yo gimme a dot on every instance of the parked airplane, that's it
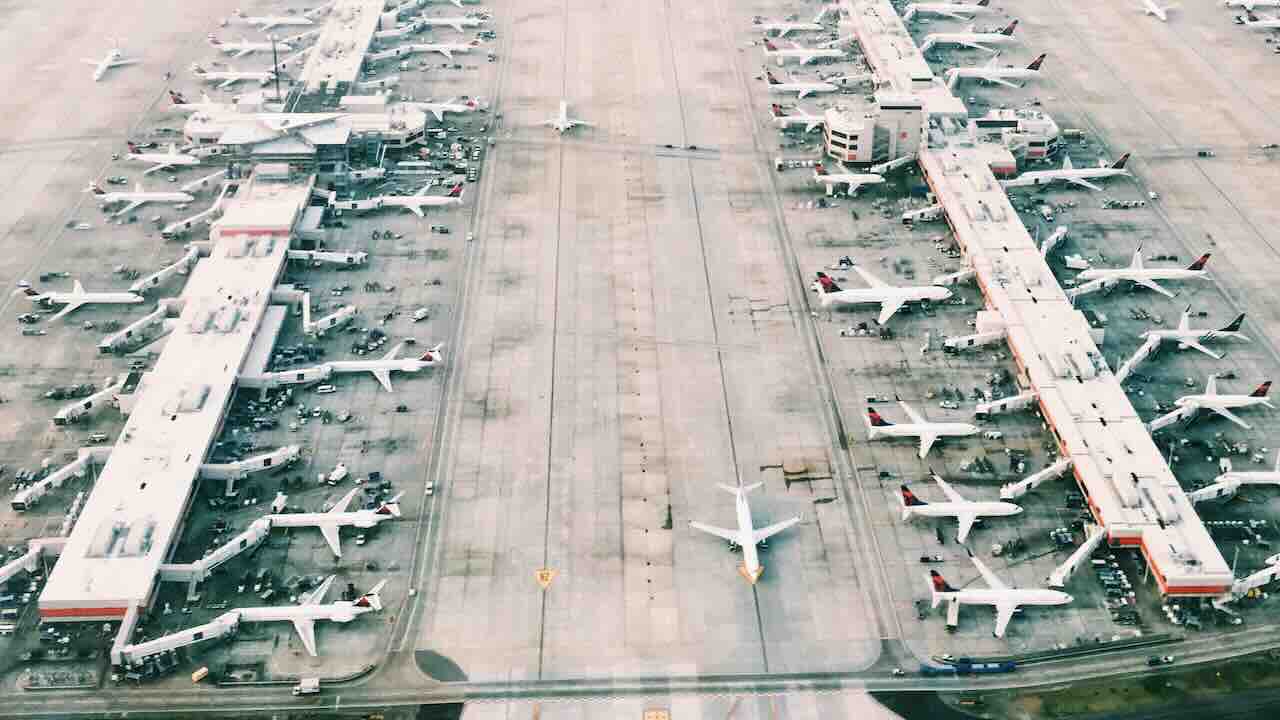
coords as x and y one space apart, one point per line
71 301
992 73
1069 173
1257 23
746 536
438 109
382 368
782 27
206 104
1144 276
447 49
308 610
457 23
1150 7
890 297
419 200
562 122
927 432
797 117
801 88
1241 477
1223 404
162 160
805 55
1005 599
955 11
114 58
853 180
227 78
245 47
136 198
338 517
964 511
267 22
1188 338
1251 4
978 41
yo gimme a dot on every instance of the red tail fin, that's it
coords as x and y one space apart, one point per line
909 498
133 149
777 110
176 98
1262 390
1199 264
1119 164
874 418
456 191
1011 27
828 285
940 583
769 45
820 169
1035 64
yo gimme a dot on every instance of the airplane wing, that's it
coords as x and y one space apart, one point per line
306 628
456 26
241 53
118 63
384 378
927 439
446 52
976 46
1152 285
265 27
888 308
1081 181
154 168
1004 613
966 520
871 280
341 505
1006 83
947 490
730 535
992 581
765 533
315 596
438 113
131 207
330 534
416 211
228 83
953 16
67 310
1201 348
1230 416
806 92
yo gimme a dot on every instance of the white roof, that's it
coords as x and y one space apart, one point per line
134 511
311 128
343 42
1130 487
894 57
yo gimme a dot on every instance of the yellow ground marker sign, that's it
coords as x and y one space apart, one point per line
544 576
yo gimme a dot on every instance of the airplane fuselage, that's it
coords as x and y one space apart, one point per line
916 430
1019 596
979 73
341 611
952 509
1143 273
1226 402
803 88
750 555
1047 177
804 55
862 296
358 519
782 28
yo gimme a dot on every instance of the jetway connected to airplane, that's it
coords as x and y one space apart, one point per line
30 495
1016 490
238 470
1094 536
181 266
78 410
37 550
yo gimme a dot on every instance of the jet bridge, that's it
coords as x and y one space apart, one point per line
29 561
195 572
31 494
140 330
1020 401
180 267
1034 480
1061 574
240 469
345 259
225 624
1141 354
81 408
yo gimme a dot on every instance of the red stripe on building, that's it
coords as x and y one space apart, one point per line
88 613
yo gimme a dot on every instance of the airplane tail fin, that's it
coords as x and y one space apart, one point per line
777 110
1234 326
769 46
1119 164
214 41
736 490
1200 262
1008 30
133 149
909 498
828 285
433 354
390 507
939 587
176 98
456 191
769 76
820 169
95 189
874 420
373 598
1262 390
1035 64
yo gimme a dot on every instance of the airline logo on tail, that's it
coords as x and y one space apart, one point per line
940 584
777 110
456 192
768 44
1035 65
1262 390
1201 262
388 508
96 189
1119 164
772 80
1235 324
214 41
820 169
828 285
133 149
875 420
1010 28
370 600
176 98
909 498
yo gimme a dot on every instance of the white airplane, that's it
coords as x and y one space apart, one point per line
797 117
782 27
457 23
206 104
977 41
890 297
1069 173
1144 276
1251 4
562 122
833 180
245 47
448 106
746 536
1257 23
955 11
992 73
71 301
448 49
416 202
1150 7
927 432
136 198
804 54
382 368
801 88
114 58
964 511
162 160
227 78
1188 338
329 523
1005 599
267 22
1260 477
1223 404
308 610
